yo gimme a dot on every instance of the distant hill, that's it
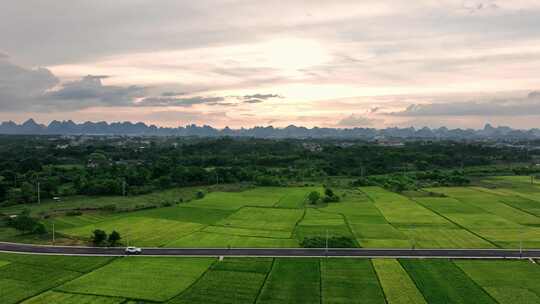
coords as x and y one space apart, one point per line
68 127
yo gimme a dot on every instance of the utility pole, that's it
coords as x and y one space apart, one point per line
124 188
38 194
326 242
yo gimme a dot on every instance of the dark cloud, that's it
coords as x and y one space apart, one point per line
257 98
262 96
529 105
355 120
21 88
172 94
179 102
91 91
534 94
253 100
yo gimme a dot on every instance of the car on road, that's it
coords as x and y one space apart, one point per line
133 250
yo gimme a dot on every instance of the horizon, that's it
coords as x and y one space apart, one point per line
340 64
487 125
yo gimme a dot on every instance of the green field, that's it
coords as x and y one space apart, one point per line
396 283
499 212
292 281
441 281
71 298
68 280
154 279
349 281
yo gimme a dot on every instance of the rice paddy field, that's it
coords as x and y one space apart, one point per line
499 212
33 279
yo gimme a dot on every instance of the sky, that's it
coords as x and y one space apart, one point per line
245 63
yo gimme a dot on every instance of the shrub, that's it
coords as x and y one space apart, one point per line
98 237
200 194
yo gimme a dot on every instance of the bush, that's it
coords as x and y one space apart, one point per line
200 194
114 237
98 237
39 229
313 197
25 223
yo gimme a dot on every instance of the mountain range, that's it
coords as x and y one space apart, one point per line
31 127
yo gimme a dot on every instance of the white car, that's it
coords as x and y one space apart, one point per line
133 250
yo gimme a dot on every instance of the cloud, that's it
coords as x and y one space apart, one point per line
355 120
90 91
529 105
262 96
257 98
534 94
172 94
179 102
21 88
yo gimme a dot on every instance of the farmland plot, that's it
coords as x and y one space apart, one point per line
292 281
154 279
140 231
69 298
349 281
396 283
440 281
509 282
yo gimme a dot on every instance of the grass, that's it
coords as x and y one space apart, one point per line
509 282
261 196
489 202
257 265
69 298
399 209
380 236
20 281
187 213
349 281
75 202
71 263
440 281
396 283
140 231
263 218
218 240
218 286
295 197
444 238
248 232
154 279
292 281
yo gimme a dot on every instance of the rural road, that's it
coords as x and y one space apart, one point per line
278 252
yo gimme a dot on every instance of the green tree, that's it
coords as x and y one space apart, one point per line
314 197
99 236
200 194
114 237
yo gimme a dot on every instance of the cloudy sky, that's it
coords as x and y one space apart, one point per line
339 63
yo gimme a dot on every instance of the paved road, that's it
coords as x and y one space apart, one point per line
282 252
